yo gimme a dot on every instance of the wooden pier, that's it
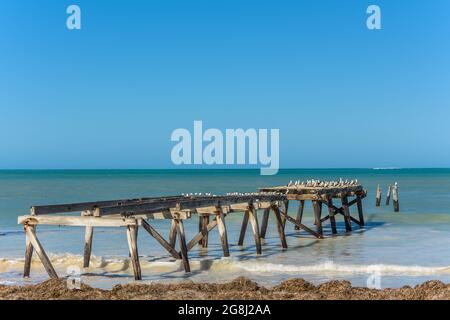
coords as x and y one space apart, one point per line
211 211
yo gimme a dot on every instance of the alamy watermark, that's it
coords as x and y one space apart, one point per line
374 280
73 21
73 280
232 147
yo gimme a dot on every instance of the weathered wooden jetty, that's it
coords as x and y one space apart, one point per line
210 209
322 193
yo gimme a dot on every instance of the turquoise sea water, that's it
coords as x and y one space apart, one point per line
403 248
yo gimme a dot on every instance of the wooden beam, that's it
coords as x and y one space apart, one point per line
134 255
183 247
31 233
183 204
166 245
88 235
90 206
302 226
76 221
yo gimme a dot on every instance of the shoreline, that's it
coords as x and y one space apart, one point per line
239 289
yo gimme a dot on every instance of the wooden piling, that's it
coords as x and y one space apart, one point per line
395 198
331 214
301 207
265 221
203 224
134 255
89 232
243 228
378 196
317 206
28 255
173 234
183 247
280 227
222 232
388 195
255 228
360 210
347 217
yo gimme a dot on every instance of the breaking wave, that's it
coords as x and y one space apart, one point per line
102 265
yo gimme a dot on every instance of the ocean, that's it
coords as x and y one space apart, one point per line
392 250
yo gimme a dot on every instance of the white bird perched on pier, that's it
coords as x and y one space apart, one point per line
290 183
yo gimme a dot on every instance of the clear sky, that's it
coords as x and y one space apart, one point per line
109 95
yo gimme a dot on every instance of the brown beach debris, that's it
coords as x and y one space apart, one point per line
240 288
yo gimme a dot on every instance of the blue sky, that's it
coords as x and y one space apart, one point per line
109 95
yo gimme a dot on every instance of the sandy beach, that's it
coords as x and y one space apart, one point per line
240 288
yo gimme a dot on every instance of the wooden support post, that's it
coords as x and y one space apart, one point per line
395 198
301 207
388 195
360 210
166 245
134 255
205 223
317 206
243 228
255 227
89 232
378 196
286 209
200 228
31 233
222 232
331 214
173 234
28 255
183 247
280 227
264 223
347 218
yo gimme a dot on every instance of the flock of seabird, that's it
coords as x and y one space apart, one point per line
298 184
208 194
324 184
